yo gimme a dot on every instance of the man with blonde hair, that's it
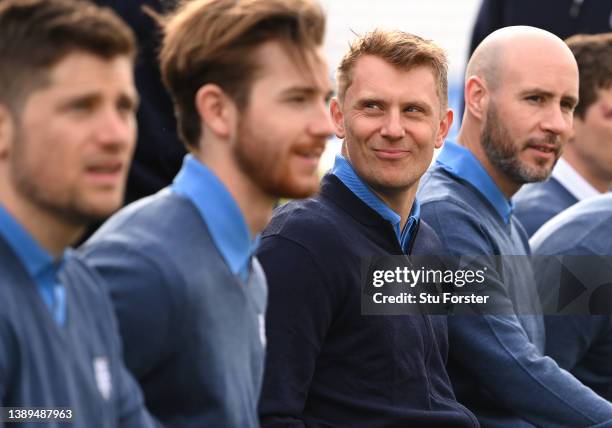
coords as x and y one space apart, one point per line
250 88
327 363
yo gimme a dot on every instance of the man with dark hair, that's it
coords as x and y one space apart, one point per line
67 132
250 87
328 364
158 154
520 91
585 169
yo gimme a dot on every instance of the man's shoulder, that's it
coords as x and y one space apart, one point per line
306 220
585 226
161 221
547 196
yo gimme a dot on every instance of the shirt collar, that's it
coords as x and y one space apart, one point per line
345 173
35 259
461 163
575 183
219 211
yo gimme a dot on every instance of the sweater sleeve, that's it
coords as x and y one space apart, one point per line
496 351
299 314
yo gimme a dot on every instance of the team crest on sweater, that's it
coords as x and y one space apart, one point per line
103 376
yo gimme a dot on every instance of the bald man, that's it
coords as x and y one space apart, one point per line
520 93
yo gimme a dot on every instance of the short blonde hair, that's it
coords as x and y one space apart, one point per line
400 49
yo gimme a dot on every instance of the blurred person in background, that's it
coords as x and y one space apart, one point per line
159 153
67 133
250 86
572 254
563 18
585 168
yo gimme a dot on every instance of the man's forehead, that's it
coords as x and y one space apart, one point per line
286 69
377 76
82 72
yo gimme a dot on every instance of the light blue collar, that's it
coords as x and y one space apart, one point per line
39 264
220 212
345 172
461 163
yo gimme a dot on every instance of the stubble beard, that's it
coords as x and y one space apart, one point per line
267 172
61 204
503 154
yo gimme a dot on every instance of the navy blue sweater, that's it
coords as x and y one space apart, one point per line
328 365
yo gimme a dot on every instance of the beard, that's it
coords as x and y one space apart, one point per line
503 153
268 166
63 204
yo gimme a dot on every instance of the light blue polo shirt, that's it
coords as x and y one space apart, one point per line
220 212
461 163
39 264
345 172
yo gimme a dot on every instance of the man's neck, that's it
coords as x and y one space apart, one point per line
255 205
400 201
586 171
52 233
472 143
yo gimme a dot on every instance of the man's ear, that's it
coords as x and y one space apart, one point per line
445 125
218 112
476 97
7 131
337 117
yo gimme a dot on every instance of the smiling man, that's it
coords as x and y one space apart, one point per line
251 105
67 133
327 364
520 93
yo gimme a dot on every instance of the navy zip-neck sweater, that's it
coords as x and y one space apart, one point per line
328 365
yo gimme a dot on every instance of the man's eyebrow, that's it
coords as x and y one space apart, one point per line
536 91
69 100
369 100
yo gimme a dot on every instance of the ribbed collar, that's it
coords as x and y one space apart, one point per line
461 163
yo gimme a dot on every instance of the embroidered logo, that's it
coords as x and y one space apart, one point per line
103 376
262 329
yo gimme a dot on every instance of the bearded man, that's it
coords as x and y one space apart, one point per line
520 93
190 297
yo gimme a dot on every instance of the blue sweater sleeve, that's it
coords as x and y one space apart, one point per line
298 317
495 349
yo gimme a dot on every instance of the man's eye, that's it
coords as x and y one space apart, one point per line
82 105
567 106
536 99
373 106
298 99
413 109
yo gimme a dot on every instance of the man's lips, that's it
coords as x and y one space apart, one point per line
391 154
544 150
310 156
107 172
